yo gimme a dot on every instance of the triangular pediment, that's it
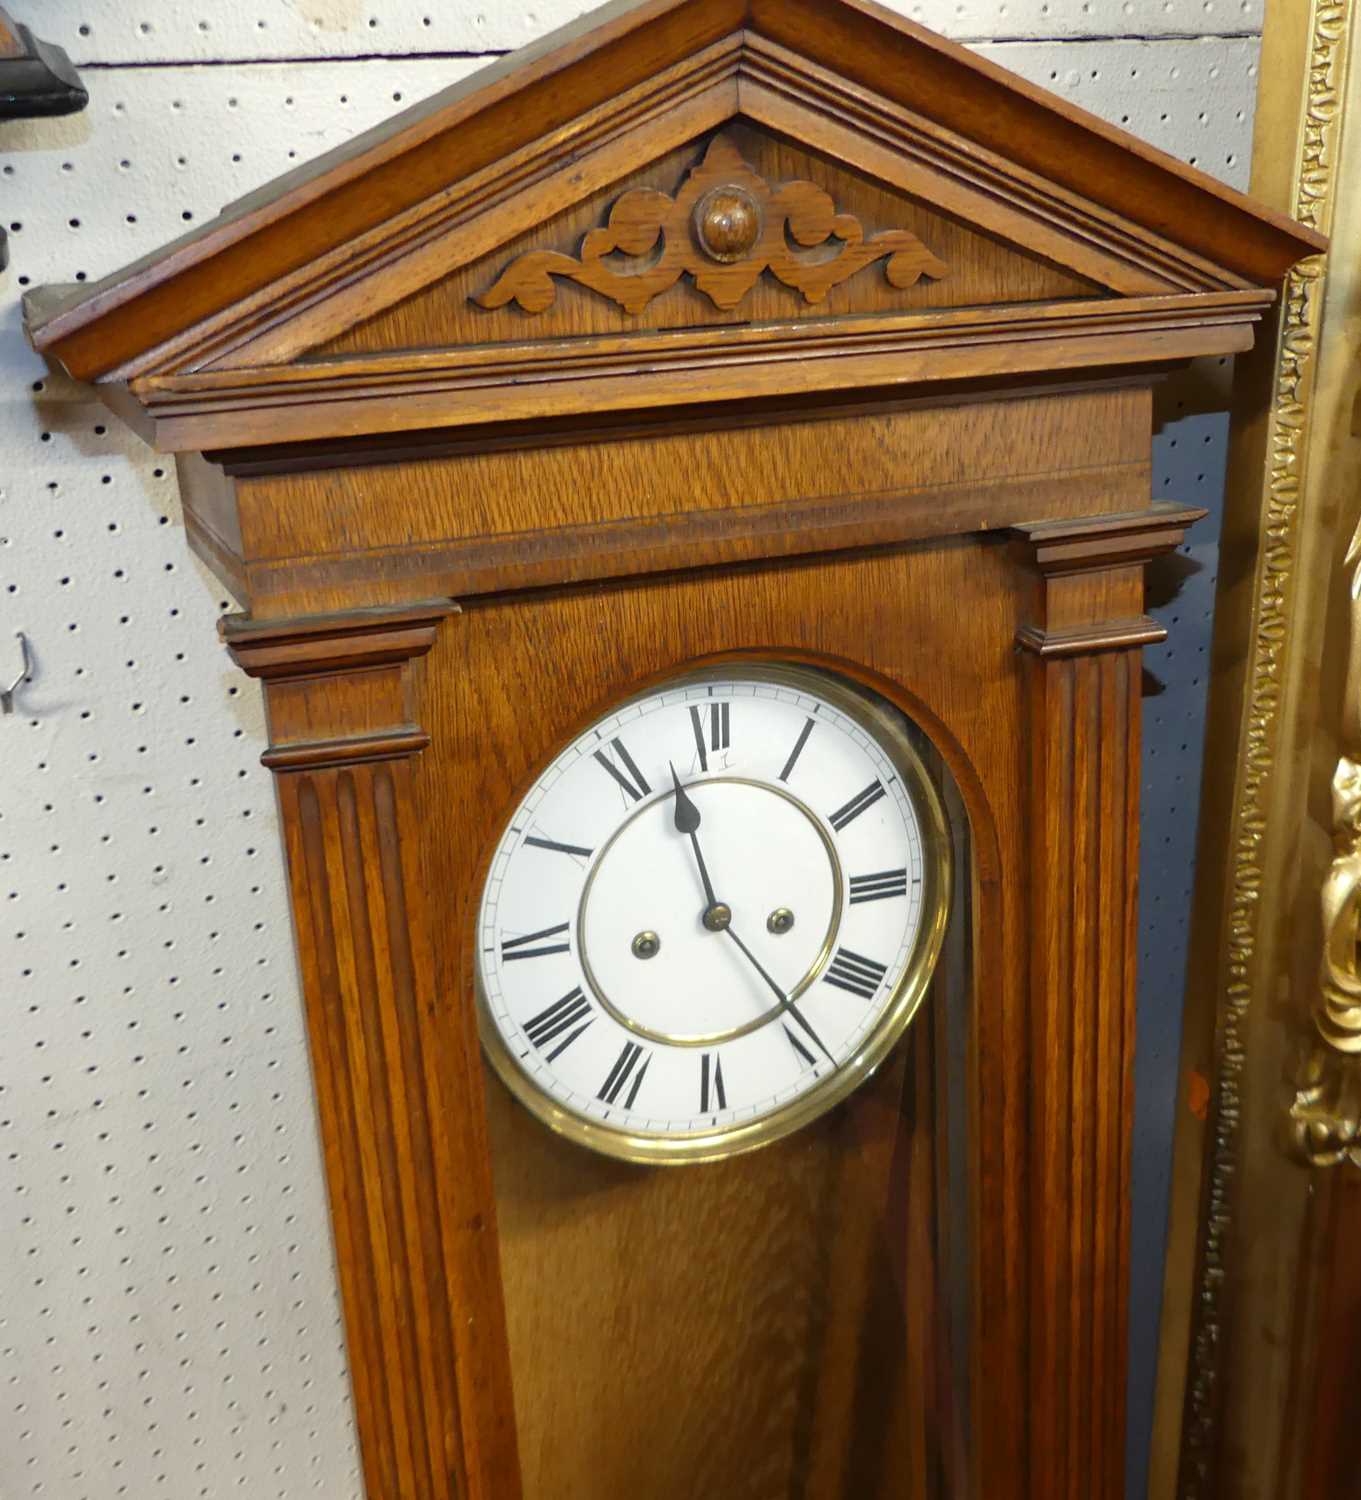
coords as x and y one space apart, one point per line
553 201
807 238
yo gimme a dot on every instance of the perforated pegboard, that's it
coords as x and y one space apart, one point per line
143 31
168 1316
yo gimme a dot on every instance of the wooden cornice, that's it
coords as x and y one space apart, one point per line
418 389
533 96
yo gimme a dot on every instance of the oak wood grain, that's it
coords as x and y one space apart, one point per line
1328 1435
744 1291
360 394
510 518
796 1339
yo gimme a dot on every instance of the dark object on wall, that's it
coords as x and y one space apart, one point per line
36 78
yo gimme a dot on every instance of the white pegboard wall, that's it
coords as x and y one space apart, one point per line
168 1315
144 31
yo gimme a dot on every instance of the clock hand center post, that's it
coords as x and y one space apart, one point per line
717 916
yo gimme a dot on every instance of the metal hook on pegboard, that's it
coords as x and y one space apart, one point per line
7 694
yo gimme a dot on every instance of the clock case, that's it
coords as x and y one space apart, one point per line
485 429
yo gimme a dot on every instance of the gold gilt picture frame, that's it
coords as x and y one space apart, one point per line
1266 1191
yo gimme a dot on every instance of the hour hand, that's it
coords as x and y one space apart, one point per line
687 814
715 915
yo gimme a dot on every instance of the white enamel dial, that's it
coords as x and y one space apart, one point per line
712 914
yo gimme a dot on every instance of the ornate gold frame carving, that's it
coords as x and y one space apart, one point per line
1324 1120
724 227
1240 1198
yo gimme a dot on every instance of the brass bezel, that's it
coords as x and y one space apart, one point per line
886 724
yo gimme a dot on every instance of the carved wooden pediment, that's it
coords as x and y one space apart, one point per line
631 258
639 209
724 228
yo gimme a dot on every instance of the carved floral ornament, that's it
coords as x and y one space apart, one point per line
1325 1117
725 227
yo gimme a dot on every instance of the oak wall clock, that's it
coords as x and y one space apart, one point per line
689 488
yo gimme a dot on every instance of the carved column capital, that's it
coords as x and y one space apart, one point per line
1075 613
364 712
319 645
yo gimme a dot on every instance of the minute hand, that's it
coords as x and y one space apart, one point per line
785 1002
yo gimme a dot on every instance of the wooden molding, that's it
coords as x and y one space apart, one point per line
543 381
312 755
1090 572
410 1182
1082 640
1065 546
323 644
742 77
613 500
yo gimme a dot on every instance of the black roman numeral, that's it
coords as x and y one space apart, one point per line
539 843
717 730
853 972
638 787
711 1094
515 947
797 750
562 1015
619 1075
849 811
878 887
798 1047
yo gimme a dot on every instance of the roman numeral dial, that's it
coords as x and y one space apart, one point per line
856 973
863 800
710 913
628 1072
880 887
712 1094
630 779
537 944
711 729
561 1017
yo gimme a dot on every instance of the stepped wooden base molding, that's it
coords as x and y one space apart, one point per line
396 1065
